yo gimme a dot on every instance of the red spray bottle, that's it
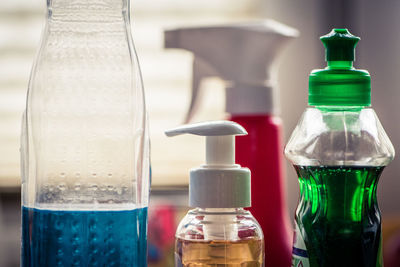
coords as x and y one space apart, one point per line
243 55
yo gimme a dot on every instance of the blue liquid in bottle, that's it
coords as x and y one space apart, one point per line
84 238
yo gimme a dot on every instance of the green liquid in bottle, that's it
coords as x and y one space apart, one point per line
338 219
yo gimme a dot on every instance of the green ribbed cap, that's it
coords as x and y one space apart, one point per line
339 84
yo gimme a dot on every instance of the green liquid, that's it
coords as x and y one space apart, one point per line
338 216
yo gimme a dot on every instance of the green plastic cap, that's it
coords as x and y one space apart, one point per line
339 84
339 45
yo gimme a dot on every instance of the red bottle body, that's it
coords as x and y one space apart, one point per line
262 152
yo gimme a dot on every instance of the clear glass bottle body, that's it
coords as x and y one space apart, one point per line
85 146
219 237
339 154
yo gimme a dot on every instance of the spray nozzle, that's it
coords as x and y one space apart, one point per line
241 54
220 183
220 139
339 45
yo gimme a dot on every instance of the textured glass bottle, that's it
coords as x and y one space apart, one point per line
339 149
85 147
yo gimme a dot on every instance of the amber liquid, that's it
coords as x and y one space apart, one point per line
243 253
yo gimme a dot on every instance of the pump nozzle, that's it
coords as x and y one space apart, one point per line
220 183
220 139
209 128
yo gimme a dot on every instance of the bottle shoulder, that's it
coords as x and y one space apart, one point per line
234 225
339 137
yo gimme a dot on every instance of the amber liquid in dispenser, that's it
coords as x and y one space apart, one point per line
242 253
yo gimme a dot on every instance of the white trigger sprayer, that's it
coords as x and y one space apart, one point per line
241 54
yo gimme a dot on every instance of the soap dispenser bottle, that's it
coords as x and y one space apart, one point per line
246 60
339 150
218 231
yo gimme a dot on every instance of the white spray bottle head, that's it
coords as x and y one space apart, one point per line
241 54
220 183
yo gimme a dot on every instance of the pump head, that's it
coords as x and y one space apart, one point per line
220 183
241 54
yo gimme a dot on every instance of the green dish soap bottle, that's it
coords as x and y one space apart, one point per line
339 149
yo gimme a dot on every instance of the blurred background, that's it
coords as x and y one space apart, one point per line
167 78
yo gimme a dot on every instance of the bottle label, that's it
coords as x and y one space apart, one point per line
299 253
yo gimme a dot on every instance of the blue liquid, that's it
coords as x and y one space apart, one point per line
84 238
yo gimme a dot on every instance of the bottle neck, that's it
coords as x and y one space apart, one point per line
221 210
340 64
88 10
340 108
247 99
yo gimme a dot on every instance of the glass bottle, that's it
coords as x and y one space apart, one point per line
85 145
339 149
219 237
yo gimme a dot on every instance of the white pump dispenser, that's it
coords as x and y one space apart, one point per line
218 228
241 54
220 183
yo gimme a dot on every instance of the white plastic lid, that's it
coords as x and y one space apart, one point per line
220 183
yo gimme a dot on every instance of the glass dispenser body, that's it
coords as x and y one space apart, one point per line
219 237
